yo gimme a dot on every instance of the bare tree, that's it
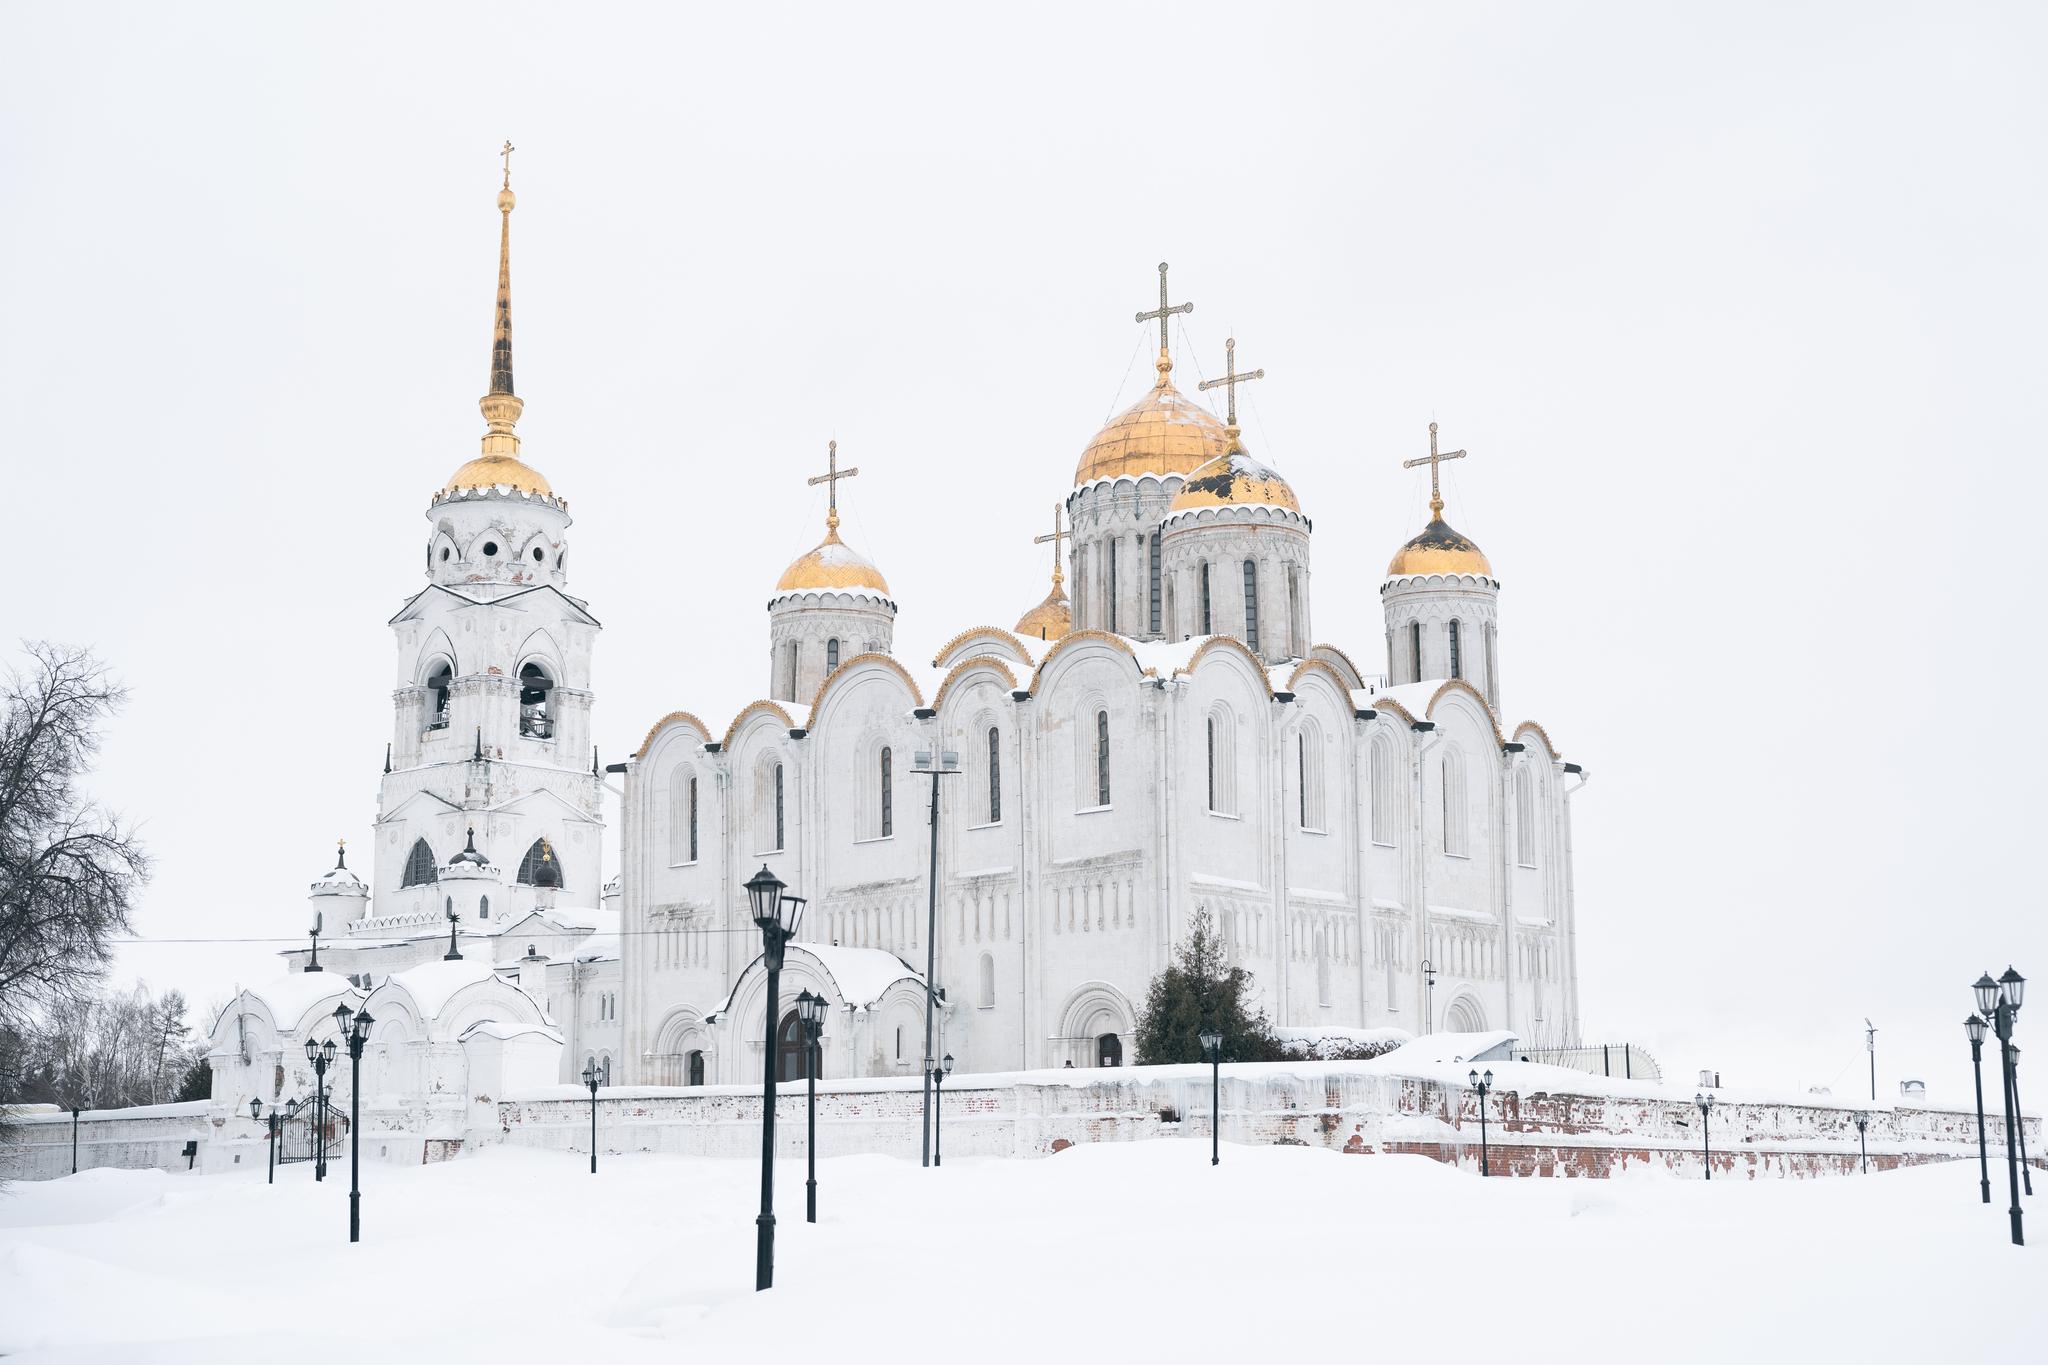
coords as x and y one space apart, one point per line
69 868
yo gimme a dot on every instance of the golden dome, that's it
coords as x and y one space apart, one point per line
1165 432
1234 480
832 565
1051 619
488 470
1439 550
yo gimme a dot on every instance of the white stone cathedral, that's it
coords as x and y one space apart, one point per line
1379 850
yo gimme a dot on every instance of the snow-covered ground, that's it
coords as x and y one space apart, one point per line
1127 1252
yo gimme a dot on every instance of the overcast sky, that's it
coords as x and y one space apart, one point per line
1738 312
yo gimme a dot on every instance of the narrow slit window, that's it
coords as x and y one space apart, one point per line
1155 584
693 819
1456 669
1415 647
1109 549
1102 758
778 807
1301 775
995 775
888 796
831 654
1212 763
1206 630
1251 605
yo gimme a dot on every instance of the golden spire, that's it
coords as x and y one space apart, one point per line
1436 497
500 407
1163 312
1231 379
830 478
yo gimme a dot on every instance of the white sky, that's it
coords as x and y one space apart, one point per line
1736 309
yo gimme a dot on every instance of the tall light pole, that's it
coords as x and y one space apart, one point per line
1482 1084
811 1009
949 766
1974 1026
356 1029
777 917
1706 1104
1212 1043
2001 1000
321 1055
1870 1046
277 1117
2026 1171
590 1079
1862 1122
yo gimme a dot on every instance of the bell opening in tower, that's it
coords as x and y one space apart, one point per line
536 718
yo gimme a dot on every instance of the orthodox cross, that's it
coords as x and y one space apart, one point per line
1231 378
1163 312
314 965
1436 498
1056 537
830 478
507 154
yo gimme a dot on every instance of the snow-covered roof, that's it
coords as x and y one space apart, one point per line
1434 1048
505 1028
290 996
861 974
432 984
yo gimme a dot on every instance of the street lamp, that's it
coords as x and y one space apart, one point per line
1706 1104
1862 1122
590 1079
777 916
949 766
76 1109
811 1009
1975 1026
1482 1084
1212 1043
321 1055
278 1117
2026 1171
939 1074
2001 1000
356 1030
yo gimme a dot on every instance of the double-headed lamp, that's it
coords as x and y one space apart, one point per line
811 1009
590 1075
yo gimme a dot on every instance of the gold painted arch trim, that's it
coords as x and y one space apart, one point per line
1319 666
1460 685
978 661
1080 635
1356 672
965 635
655 729
1532 725
834 676
749 709
1230 642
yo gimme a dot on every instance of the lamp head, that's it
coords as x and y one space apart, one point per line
1488 1079
791 914
342 1015
2013 987
811 1009
256 1109
361 1030
948 1063
590 1074
1974 1026
1987 994
1472 1078
312 1050
1212 1039
764 892
327 1051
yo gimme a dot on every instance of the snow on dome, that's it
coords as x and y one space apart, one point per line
1235 479
1165 432
834 564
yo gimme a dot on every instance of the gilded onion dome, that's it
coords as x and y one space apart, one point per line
1051 619
1165 432
832 565
500 463
1439 550
1235 479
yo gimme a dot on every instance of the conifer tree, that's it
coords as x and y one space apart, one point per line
1198 990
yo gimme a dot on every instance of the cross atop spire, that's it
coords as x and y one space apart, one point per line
1056 537
507 154
830 478
1231 379
1436 497
1163 312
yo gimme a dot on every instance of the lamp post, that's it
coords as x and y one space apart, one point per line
590 1079
1212 1043
777 916
76 1110
811 1009
2001 1000
321 1055
939 1074
1706 1104
355 1028
1482 1084
277 1118
949 766
2026 1172
1428 997
1862 1122
1974 1026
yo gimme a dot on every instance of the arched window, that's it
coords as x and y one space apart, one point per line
539 855
1222 735
1109 1050
1525 818
682 816
1206 630
1212 763
419 865
440 678
693 1068
1102 758
1457 663
1415 648
888 794
1455 825
1383 779
536 714
778 807
1155 583
1308 758
1251 605
831 655
1109 549
988 981
995 775
483 907
790 1048
604 1070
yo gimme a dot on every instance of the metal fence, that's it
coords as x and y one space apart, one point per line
1600 1059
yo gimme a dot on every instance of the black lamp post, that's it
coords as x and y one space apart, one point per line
590 1079
1212 1043
355 1028
1975 1026
811 1009
1706 1104
939 1074
2026 1171
76 1110
321 1055
278 1117
777 916
949 766
2001 1000
1862 1122
1482 1084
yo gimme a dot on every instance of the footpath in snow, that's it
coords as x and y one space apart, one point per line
1130 1251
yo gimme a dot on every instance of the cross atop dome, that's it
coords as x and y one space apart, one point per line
1163 312
830 478
1433 460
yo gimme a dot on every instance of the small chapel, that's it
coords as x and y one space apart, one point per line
1369 834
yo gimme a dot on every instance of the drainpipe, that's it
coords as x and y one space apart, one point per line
1507 876
1420 832
1359 779
1163 816
1571 906
1278 770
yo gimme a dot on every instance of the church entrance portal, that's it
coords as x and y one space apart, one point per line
695 1064
1109 1050
789 1049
